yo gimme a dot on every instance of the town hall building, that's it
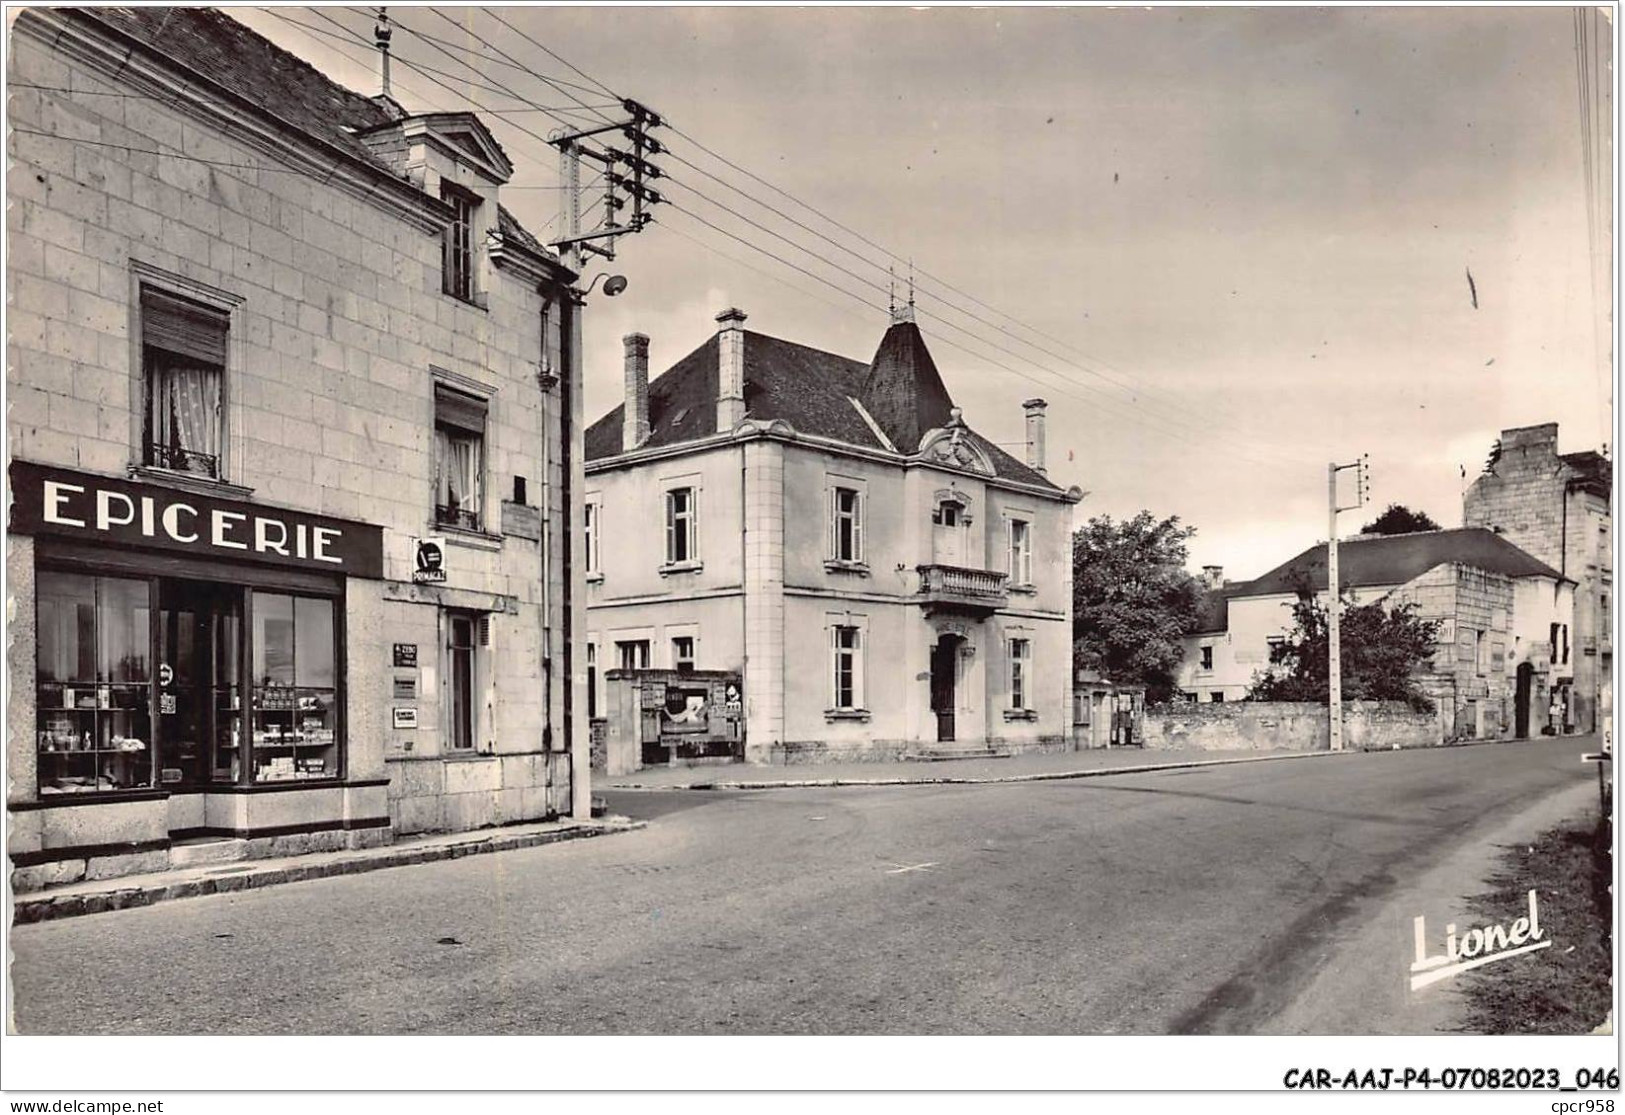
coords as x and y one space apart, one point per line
843 566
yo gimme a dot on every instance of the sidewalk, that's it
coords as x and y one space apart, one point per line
128 891
906 772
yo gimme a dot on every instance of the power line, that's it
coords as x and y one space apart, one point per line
1170 422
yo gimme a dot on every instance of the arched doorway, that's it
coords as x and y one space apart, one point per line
945 683
1520 708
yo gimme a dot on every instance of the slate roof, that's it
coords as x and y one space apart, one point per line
270 81
1213 608
277 83
1396 559
813 391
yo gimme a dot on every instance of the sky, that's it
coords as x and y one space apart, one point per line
1238 240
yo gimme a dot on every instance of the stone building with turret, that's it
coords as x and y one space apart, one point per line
876 578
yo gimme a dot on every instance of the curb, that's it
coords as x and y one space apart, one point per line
43 906
952 780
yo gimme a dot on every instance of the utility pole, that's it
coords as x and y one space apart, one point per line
1334 648
626 174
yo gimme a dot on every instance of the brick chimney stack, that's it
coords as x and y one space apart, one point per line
730 369
635 417
1035 434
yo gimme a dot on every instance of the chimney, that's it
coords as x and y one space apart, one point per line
635 418
730 369
1213 576
1035 433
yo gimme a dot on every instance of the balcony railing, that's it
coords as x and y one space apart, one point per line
457 517
183 460
954 587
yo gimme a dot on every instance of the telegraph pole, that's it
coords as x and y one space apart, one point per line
627 170
1334 648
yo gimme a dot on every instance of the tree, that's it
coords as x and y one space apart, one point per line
1399 519
1381 650
1132 601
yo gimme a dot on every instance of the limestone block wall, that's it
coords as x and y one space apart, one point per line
1285 725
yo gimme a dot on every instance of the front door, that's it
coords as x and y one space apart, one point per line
1520 708
199 673
944 675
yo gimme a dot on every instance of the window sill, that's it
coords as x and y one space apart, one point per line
595 578
1020 714
463 755
858 715
681 567
473 539
479 300
189 482
837 565
1025 590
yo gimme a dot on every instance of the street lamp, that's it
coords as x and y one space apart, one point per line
614 286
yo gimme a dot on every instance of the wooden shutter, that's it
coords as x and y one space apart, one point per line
857 524
184 327
459 411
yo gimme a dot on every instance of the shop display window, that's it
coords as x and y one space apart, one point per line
182 684
94 729
295 688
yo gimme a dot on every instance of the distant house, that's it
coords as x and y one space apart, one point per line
1504 643
1558 507
883 578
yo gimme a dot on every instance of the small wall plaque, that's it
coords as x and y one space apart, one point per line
406 717
406 655
406 689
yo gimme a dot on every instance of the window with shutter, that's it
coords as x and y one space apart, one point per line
183 355
459 437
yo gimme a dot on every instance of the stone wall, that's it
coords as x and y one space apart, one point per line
1284 725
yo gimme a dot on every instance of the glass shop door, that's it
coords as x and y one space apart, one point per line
199 680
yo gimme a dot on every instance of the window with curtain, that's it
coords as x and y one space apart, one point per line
459 437
681 526
847 650
183 347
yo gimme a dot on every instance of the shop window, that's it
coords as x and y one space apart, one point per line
183 358
682 653
1020 671
633 654
295 688
459 439
847 653
846 525
460 675
1020 557
93 683
682 527
458 277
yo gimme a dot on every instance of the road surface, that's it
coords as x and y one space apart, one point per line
1200 900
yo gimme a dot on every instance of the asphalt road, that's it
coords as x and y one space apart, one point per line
1190 901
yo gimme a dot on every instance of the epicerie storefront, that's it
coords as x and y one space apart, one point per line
178 679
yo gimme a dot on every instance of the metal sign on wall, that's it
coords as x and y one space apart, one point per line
428 560
102 509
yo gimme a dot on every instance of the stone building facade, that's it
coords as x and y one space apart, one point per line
884 580
290 406
1503 649
1559 507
